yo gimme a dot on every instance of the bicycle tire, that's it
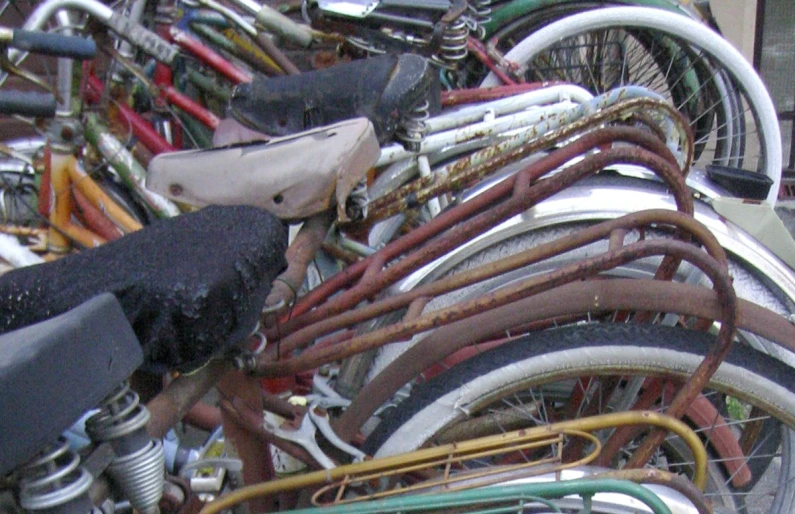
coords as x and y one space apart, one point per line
729 65
684 90
541 361
519 237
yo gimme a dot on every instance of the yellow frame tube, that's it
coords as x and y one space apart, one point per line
432 454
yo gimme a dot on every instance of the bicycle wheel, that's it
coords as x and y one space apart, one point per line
713 86
531 380
562 216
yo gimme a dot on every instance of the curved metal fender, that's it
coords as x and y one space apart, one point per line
606 199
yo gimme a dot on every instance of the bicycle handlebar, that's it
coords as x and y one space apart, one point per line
27 103
52 44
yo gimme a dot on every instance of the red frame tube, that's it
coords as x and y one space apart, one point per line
208 56
465 96
140 127
477 48
190 107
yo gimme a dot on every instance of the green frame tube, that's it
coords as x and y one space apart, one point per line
486 496
126 167
518 8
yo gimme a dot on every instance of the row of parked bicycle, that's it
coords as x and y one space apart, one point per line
431 256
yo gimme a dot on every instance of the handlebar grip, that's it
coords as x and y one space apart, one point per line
53 44
27 103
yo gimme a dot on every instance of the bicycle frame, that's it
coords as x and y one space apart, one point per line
342 478
67 178
304 326
321 312
318 317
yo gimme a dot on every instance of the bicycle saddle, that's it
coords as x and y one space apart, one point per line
54 371
380 89
293 177
190 286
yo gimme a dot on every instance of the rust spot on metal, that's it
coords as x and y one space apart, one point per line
463 172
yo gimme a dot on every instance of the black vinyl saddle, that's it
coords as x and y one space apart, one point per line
381 89
190 286
53 372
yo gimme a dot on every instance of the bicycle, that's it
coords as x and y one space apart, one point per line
671 303
202 376
57 477
357 412
742 126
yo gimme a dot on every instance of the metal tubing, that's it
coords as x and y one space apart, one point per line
249 6
203 416
693 386
577 299
94 219
171 405
42 14
134 122
80 179
484 132
466 170
479 50
276 22
276 54
659 477
191 107
514 102
242 394
638 220
350 471
474 226
247 50
208 56
299 255
250 420
716 271
61 200
464 96
207 85
263 41
231 15
216 39
125 165
65 70
496 498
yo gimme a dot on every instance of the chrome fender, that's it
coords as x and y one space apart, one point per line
759 275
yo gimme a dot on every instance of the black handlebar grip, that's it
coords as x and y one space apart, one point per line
54 44
27 103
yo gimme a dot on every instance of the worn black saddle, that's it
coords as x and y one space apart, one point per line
381 89
190 286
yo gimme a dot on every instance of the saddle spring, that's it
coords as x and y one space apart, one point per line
55 481
453 47
413 128
139 462
480 13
